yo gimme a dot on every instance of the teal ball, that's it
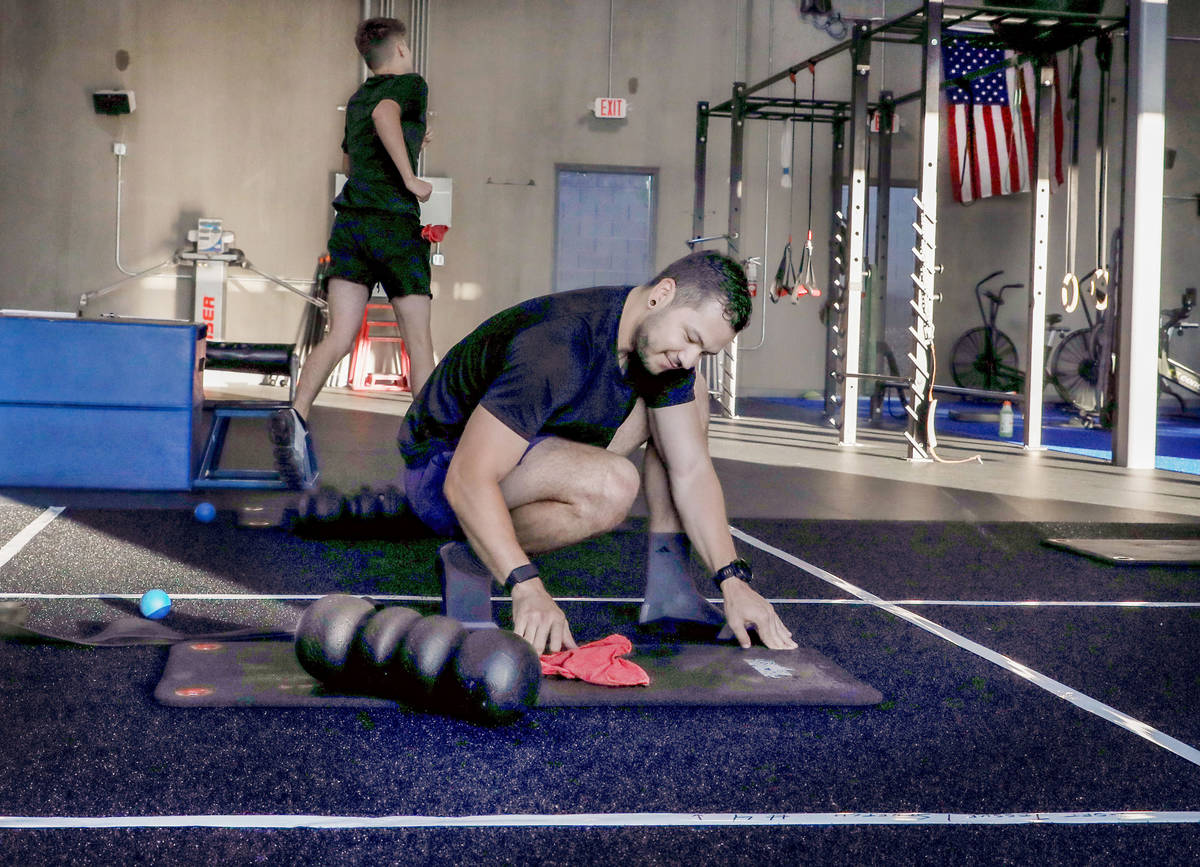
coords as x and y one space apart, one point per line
155 604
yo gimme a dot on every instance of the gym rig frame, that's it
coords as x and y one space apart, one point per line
1144 22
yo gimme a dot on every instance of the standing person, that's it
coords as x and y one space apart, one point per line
376 236
519 443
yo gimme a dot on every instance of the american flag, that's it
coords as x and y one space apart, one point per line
991 134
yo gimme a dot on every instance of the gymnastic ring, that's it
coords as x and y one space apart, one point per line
1100 288
1070 292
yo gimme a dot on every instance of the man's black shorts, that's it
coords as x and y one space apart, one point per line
370 247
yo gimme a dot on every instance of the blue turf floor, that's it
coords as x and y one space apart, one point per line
83 736
1178 440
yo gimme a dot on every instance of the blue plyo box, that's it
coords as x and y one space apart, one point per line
111 404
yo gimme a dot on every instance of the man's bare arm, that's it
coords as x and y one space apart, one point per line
696 492
388 125
487 452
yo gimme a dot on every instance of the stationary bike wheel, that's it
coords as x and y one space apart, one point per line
972 366
1075 370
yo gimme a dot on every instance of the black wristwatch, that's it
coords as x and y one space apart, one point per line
521 573
739 568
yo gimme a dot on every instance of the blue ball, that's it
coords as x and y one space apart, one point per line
205 513
155 604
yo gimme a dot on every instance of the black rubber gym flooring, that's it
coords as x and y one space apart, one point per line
958 742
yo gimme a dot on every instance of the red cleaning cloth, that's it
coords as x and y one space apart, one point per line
434 234
598 662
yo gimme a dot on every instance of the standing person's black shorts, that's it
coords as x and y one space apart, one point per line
369 247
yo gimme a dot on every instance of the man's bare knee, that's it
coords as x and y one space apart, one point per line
617 492
557 504
594 483
602 498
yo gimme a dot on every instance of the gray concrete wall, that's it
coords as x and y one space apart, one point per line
513 93
237 118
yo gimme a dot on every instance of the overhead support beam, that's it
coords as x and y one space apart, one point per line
801 109
915 23
1104 25
810 63
792 115
851 317
1138 300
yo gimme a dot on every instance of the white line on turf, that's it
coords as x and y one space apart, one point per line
14 546
603 820
1052 686
19 541
635 600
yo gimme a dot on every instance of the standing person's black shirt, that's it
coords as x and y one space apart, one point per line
374 183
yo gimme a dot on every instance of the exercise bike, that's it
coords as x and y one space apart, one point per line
985 357
1077 363
1170 371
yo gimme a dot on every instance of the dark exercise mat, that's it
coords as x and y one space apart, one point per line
126 632
1149 552
266 674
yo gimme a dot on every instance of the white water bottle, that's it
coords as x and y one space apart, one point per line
1006 420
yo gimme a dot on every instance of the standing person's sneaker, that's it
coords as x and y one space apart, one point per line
289 436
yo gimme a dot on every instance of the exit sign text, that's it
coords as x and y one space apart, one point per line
609 106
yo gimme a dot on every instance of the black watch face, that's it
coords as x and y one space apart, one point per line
737 569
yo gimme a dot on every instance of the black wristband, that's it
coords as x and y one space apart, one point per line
521 573
739 568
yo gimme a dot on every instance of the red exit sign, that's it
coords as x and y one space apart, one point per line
609 106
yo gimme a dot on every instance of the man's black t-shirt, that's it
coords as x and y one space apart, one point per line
547 367
374 183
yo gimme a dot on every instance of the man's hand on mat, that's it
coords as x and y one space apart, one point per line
745 608
538 619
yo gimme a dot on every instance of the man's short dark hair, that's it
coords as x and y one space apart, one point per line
374 36
706 275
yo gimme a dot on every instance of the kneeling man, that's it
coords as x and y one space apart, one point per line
520 439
